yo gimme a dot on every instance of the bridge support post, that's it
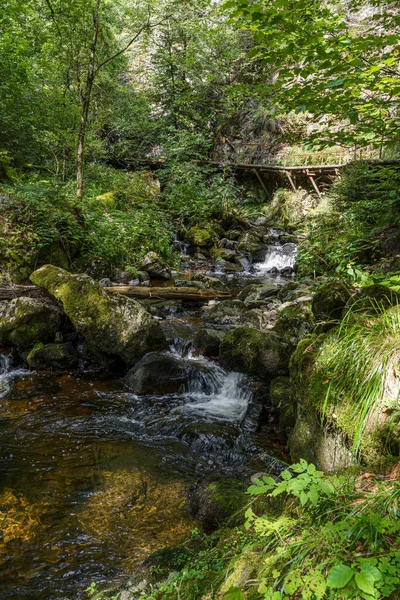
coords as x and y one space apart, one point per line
291 181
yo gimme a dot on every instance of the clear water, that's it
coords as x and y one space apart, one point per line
94 478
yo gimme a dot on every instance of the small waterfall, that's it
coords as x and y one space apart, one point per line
7 374
217 394
278 257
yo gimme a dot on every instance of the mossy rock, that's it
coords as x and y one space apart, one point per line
222 254
212 283
190 283
294 323
233 312
53 356
27 321
251 351
112 324
250 242
282 398
372 298
255 294
218 500
329 301
202 236
327 448
208 341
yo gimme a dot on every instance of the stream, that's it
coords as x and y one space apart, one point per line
93 479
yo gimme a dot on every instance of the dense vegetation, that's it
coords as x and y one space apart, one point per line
111 113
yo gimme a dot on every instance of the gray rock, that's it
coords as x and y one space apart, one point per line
155 266
26 321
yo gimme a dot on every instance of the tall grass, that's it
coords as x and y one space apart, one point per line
362 363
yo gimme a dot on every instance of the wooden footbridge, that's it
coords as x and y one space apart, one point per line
318 169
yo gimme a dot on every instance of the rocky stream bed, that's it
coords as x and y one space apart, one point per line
102 465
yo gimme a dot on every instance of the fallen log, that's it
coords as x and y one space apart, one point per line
162 293
170 293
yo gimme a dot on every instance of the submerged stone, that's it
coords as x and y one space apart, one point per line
161 374
110 323
53 356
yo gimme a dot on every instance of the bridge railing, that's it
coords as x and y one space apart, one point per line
262 154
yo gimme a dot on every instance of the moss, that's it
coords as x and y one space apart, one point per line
251 351
113 324
27 321
203 236
53 356
282 398
106 200
329 301
220 500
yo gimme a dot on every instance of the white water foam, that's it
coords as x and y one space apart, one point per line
279 257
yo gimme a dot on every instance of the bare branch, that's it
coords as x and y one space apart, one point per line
148 25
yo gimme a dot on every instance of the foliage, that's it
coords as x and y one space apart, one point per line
307 484
194 193
39 215
344 233
312 555
337 61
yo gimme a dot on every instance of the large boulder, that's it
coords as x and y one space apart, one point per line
112 324
27 321
53 356
330 300
161 374
251 351
155 266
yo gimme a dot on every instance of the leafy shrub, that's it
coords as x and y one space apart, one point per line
195 193
365 200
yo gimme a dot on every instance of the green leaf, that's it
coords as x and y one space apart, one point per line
365 581
339 576
303 498
234 593
376 574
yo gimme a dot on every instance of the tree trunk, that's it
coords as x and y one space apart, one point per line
85 102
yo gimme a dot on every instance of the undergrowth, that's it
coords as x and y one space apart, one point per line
335 538
344 232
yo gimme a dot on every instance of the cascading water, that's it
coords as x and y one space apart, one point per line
278 257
